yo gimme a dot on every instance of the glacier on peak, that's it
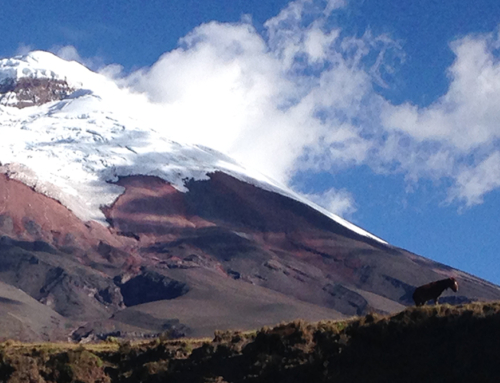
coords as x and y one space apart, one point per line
48 70
45 65
73 149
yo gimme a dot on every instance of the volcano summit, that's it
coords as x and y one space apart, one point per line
108 227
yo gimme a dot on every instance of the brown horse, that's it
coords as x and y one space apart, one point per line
433 290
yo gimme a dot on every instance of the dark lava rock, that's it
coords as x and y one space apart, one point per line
35 91
150 286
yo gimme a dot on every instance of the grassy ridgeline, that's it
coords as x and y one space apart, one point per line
428 344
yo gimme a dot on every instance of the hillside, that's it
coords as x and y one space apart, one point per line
433 344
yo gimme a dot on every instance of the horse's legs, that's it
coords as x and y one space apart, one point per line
419 303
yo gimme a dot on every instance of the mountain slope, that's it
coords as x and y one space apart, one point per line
117 228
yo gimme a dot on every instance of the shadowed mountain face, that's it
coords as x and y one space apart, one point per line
225 254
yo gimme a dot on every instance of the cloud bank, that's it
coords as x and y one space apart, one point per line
300 96
281 101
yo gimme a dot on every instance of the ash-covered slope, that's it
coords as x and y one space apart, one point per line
115 227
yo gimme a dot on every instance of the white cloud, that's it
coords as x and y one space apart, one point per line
70 53
23 49
450 137
467 115
339 202
317 42
257 100
332 5
475 181
224 90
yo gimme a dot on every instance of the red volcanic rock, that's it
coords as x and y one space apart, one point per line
150 209
26 215
30 216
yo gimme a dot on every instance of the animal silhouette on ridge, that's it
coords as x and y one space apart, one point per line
433 290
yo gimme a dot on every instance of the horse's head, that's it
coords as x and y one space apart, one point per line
453 284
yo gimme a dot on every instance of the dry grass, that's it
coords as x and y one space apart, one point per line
431 343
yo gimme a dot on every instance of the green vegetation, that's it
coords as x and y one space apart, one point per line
428 344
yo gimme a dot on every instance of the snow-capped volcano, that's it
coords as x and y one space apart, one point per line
107 225
71 149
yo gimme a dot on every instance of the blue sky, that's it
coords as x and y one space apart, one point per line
386 112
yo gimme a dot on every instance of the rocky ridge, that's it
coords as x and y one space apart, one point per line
27 91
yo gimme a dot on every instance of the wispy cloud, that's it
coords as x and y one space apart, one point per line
458 135
473 182
91 30
23 49
70 53
339 202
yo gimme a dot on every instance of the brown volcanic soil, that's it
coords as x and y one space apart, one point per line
218 302
26 319
225 254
